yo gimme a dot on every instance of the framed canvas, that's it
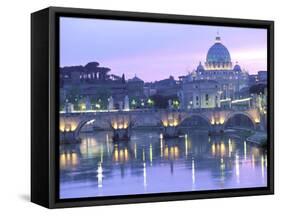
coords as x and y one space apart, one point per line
139 107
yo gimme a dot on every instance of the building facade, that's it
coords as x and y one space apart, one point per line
200 94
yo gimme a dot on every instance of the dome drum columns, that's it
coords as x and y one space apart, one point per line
218 65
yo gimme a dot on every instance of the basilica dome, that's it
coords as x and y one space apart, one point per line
237 67
218 57
200 67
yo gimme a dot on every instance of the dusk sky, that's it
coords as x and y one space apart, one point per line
155 51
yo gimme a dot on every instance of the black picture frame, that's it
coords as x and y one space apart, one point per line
45 106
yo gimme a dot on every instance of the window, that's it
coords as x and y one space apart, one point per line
206 97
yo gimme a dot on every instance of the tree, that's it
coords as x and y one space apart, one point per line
176 103
73 96
160 101
102 97
134 102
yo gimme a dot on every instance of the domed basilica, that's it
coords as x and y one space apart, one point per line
220 80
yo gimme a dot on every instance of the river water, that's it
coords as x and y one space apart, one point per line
150 164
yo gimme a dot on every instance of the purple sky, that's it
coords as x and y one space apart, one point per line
155 51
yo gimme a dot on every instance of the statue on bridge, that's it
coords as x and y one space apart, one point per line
126 103
110 105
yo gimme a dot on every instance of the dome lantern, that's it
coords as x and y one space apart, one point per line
218 39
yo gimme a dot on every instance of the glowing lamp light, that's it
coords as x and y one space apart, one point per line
212 121
99 175
115 125
83 106
149 101
61 128
222 149
126 154
74 158
213 149
116 154
62 160
221 120
165 123
121 155
68 126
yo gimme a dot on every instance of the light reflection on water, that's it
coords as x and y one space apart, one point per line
150 164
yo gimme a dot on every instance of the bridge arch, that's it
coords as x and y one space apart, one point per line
197 115
234 114
82 124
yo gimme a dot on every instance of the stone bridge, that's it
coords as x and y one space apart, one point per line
216 119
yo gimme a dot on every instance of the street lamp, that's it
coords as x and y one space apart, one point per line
150 102
176 103
98 106
83 106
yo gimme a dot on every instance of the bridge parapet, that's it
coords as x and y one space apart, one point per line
216 118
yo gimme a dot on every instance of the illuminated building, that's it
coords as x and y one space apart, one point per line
200 94
218 67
